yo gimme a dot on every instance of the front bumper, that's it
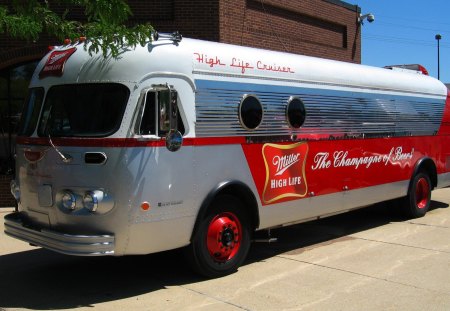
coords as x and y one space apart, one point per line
78 245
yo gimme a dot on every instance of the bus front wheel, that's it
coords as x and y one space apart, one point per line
222 240
418 201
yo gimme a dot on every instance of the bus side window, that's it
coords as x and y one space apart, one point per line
155 118
148 122
164 117
164 108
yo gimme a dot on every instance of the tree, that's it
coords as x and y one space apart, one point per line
104 26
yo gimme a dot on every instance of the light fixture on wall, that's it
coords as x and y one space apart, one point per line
370 18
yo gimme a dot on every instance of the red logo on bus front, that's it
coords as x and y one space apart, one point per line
285 171
54 66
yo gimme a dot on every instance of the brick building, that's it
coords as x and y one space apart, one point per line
322 28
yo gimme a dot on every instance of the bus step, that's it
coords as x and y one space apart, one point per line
267 240
264 237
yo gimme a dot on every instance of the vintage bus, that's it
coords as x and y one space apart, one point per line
191 144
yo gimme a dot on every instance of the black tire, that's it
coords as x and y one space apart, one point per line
417 202
222 240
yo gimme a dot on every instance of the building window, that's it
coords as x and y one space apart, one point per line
250 112
13 90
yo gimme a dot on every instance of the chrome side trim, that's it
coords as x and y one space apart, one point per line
77 245
330 112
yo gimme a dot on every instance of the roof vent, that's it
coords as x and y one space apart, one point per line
409 68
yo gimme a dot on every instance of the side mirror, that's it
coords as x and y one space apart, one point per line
174 140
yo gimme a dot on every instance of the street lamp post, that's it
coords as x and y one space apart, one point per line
438 37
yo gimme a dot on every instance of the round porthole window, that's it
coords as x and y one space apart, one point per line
250 112
296 112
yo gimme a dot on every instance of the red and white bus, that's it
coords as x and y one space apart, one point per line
194 144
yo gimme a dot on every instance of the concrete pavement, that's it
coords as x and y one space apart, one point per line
370 259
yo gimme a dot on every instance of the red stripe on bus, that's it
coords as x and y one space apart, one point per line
125 142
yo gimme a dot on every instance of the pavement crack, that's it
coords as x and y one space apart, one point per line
404 245
215 298
363 275
427 225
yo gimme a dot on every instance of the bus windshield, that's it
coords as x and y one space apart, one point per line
83 110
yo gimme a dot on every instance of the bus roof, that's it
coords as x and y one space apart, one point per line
196 58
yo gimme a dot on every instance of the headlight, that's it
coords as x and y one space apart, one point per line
69 200
91 199
78 201
15 190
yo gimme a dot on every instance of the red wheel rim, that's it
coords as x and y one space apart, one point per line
422 193
224 237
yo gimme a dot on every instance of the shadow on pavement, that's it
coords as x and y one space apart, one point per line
313 234
40 279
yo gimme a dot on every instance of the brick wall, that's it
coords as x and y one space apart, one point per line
6 199
327 29
324 28
194 19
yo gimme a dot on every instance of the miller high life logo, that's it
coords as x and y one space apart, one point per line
54 66
285 171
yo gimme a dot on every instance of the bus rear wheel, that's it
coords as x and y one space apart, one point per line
418 201
222 240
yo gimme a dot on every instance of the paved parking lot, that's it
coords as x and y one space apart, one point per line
370 259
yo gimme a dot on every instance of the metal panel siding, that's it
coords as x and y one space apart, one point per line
328 111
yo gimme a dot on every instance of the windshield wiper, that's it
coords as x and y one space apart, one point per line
65 159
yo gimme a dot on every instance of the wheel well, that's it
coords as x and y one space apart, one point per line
240 191
427 165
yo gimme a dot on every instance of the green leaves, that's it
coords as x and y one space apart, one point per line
104 26
114 11
114 38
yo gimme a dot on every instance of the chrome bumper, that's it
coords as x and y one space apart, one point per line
78 245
